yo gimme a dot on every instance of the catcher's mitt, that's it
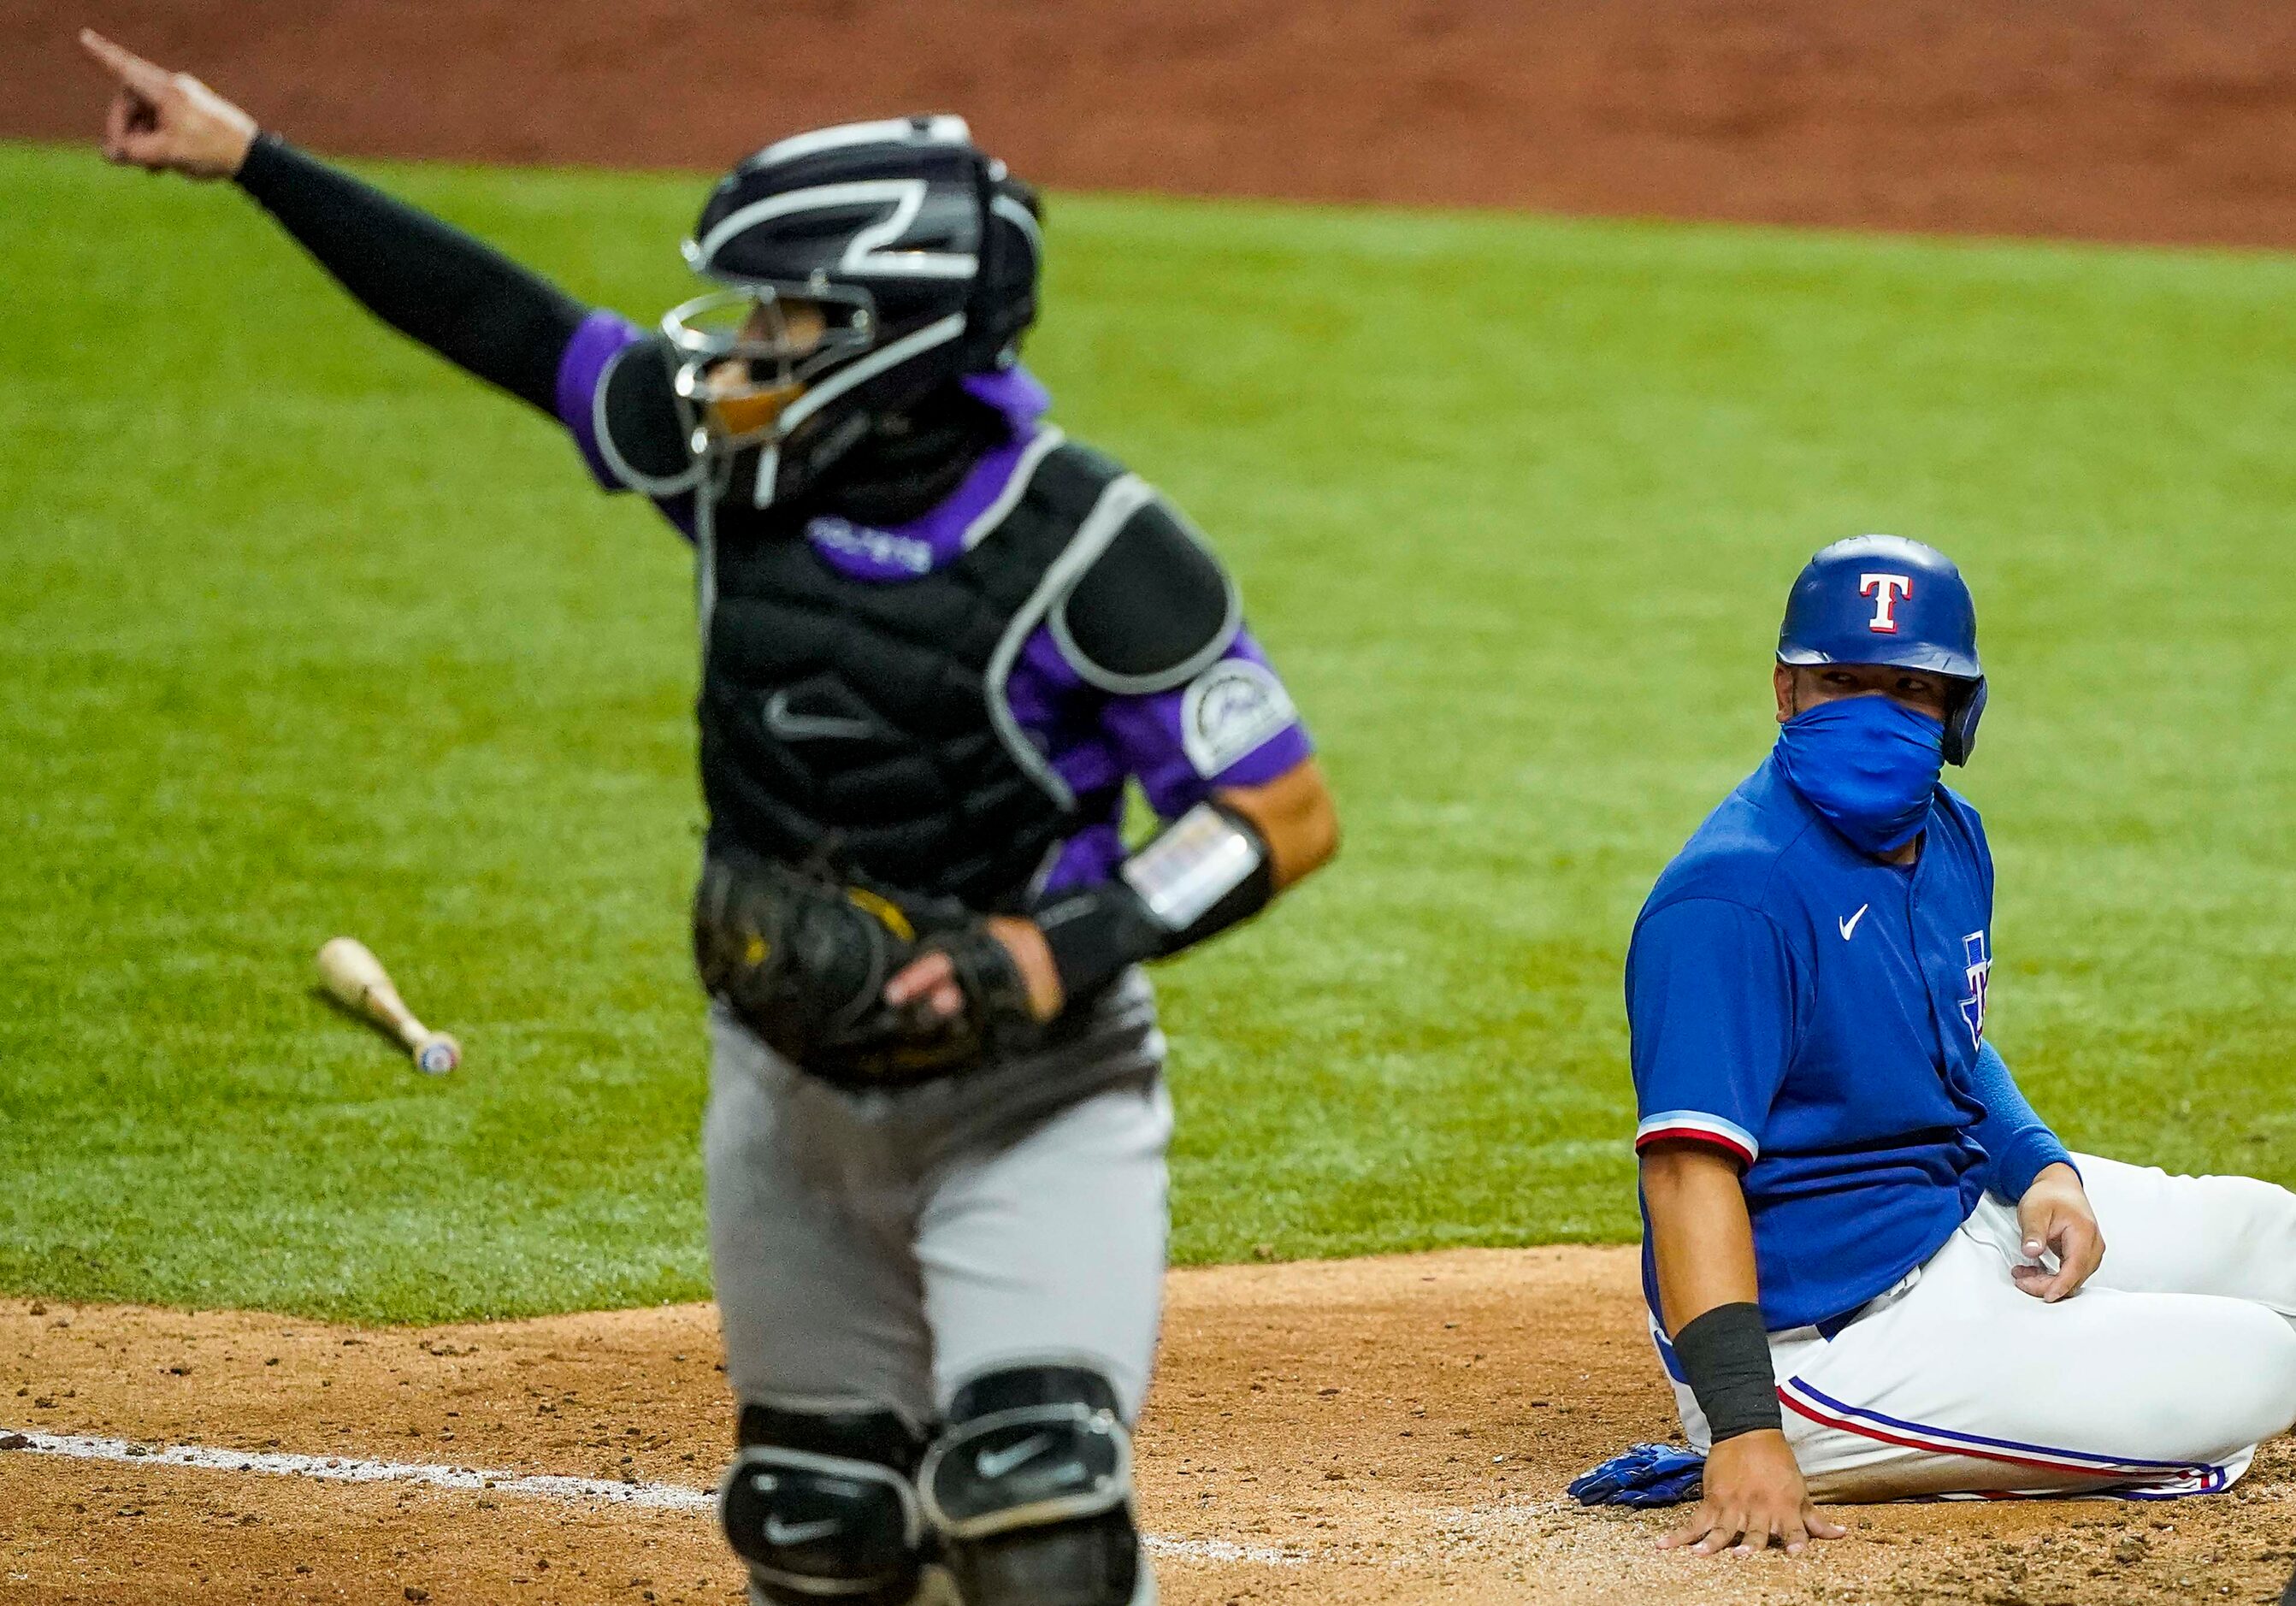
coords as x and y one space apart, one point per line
803 959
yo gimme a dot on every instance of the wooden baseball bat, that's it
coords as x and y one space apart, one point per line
356 980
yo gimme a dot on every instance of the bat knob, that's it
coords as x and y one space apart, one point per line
439 1054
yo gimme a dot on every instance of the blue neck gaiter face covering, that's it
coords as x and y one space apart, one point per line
1868 765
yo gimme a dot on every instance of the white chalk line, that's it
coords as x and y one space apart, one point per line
608 1491
344 1469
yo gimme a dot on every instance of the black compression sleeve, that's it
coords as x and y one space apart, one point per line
465 301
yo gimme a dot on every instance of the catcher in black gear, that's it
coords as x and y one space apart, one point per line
939 641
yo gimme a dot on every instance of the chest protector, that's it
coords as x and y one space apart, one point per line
863 726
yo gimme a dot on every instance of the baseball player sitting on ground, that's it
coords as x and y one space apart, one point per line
937 639
1872 1272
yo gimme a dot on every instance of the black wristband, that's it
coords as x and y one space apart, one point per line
1095 934
1725 1355
1210 870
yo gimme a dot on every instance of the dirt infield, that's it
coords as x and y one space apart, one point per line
1392 1430
2136 119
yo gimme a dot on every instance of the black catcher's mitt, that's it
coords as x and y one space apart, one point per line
803 959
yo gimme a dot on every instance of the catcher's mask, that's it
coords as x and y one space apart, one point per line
864 267
743 356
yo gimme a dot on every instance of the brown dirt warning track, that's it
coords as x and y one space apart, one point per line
2132 119
1392 1430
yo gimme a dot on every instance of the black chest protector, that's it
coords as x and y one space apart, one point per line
864 725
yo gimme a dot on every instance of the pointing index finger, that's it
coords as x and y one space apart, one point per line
144 76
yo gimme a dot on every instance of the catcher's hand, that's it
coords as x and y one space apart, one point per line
936 983
167 122
970 986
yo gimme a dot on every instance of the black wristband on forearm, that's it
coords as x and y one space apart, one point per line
1210 870
1725 1355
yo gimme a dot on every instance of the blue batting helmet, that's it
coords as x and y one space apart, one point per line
1886 600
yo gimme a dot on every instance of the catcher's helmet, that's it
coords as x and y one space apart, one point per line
920 252
1886 600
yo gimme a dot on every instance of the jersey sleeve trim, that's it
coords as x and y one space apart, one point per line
1697 1126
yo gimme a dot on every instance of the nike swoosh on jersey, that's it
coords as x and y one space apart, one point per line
778 1532
1849 926
996 1463
791 725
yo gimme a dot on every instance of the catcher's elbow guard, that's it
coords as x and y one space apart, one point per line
1209 870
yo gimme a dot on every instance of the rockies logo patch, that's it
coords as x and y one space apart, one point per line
1229 710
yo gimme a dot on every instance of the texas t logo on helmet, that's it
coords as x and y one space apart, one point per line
1887 600
1885 589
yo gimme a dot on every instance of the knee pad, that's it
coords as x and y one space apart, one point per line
1031 1490
821 1508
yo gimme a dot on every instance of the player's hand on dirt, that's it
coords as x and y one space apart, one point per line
1753 1496
167 122
2055 1217
931 976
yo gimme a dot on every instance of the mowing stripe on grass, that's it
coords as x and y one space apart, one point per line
347 1469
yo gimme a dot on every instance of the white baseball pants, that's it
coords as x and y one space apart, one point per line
2159 1378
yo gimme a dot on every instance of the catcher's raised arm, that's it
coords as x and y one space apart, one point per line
428 280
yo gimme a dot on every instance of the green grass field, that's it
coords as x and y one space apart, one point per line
304 633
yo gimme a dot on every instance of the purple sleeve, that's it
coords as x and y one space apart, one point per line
580 371
1234 724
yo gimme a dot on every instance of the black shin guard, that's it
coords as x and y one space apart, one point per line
821 1506
1090 1562
1030 1488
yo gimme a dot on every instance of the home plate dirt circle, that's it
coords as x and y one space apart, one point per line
1370 1431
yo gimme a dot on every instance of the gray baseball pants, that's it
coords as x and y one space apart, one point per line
883 1248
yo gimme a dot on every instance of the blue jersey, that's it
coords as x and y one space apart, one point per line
1818 1014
